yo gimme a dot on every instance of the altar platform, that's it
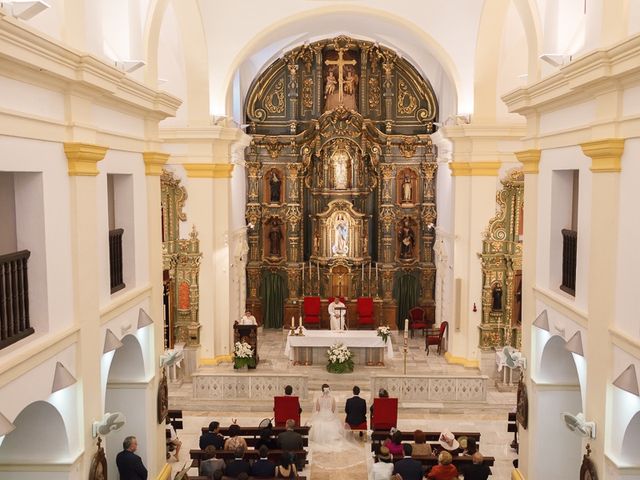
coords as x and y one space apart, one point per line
311 348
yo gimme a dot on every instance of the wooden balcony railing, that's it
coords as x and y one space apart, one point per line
569 256
14 298
115 259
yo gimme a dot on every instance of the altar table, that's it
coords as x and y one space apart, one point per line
367 347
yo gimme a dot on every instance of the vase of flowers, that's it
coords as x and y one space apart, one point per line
340 359
243 356
384 332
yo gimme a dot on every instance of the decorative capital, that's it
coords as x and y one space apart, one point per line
530 159
153 162
208 170
474 169
83 158
605 154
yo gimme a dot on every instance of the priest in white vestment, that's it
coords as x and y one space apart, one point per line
248 319
337 314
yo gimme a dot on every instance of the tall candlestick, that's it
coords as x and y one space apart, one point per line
302 278
406 328
363 272
300 321
293 323
369 272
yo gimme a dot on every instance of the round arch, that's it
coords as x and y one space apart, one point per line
343 17
40 436
128 362
557 365
630 452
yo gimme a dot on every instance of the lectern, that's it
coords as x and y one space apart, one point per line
249 334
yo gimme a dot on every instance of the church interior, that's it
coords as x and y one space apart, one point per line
204 204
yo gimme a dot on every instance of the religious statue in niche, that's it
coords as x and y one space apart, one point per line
340 245
275 186
406 187
496 298
275 238
340 162
341 80
407 190
406 236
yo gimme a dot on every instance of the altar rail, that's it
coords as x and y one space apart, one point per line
14 298
433 388
246 386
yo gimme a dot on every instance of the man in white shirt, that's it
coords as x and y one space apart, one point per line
337 314
248 319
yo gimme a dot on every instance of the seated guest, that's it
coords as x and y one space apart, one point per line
383 468
394 444
212 437
210 464
235 440
448 442
238 465
288 391
290 440
445 470
218 474
420 445
382 393
263 468
266 439
408 468
469 446
287 467
477 470
173 443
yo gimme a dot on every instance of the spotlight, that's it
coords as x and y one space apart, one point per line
144 320
25 10
62 378
574 344
542 321
130 66
555 59
627 381
111 342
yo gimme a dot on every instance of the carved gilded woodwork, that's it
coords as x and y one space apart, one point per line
181 257
501 263
343 208
274 101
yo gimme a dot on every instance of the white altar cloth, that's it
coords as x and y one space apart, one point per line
327 338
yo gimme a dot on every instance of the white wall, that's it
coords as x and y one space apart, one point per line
8 238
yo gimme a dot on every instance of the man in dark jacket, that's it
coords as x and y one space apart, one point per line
130 466
238 464
356 410
263 468
408 468
212 437
477 470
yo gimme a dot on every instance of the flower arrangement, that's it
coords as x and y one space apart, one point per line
243 355
340 359
384 332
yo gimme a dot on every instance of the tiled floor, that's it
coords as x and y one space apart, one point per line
489 419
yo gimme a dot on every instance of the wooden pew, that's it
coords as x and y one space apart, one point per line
512 426
255 431
175 418
382 435
274 455
191 477
458 461
251 441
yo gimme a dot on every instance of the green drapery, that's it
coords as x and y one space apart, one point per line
273 294
406 292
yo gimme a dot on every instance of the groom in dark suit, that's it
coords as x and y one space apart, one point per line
356 410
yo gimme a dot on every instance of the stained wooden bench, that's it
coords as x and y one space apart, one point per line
432 438
227 455
191 477
458 461
255 431
175 418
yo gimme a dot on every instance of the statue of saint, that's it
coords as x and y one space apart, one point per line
274 186
330 84
496 298
341 236
340 166
407 241
275 236
407 190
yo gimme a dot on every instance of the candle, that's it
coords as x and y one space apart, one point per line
376 274
369 272
293 325
300 320
362 272
318 266
406 328
302 278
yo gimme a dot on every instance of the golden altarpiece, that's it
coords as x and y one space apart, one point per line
341 181
501 259
181 268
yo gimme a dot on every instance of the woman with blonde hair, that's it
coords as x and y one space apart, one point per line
445 470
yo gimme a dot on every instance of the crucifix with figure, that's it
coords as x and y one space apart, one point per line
340 63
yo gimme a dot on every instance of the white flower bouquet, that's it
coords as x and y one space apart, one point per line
340 359
243 355
384 332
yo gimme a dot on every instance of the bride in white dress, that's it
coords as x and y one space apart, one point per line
327 430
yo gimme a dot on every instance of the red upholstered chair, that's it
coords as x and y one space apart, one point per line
311 308
437 339
417 320
285 408
385 413
365 312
